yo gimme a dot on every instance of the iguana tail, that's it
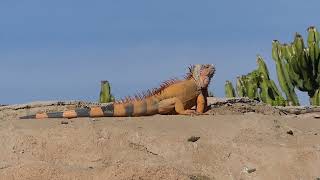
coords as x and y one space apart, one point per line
135 108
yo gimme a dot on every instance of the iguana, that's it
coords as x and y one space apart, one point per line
172 97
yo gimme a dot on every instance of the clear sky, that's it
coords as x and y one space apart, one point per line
61 49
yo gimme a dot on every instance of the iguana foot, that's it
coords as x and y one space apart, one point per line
190 112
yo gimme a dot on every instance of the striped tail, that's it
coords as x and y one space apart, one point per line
103 111
135 108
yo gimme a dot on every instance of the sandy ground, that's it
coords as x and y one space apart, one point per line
236 142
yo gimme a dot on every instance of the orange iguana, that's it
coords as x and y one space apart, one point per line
173 97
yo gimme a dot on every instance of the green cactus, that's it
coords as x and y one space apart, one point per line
265 91
297 65
283 73
315 100
105 93
262 67
291 65
314 53
305 66
301 63
229 90
269 93
252 83
240 87
313 45
257 85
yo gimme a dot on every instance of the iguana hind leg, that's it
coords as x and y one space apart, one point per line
168 105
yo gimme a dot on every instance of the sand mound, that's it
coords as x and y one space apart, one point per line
239 139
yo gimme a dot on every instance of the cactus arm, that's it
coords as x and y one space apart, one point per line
282 73
315 99
265 90
105 92
262 67
241 91
314 51
229 90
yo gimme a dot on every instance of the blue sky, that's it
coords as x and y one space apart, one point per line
61 49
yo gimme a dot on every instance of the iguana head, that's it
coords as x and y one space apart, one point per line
202 74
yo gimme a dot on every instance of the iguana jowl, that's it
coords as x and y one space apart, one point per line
173 97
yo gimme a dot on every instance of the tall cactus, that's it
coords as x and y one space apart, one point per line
258 85
269 93
105 93
298 67
247 85
315 100
314 51
240 87
291 64
252 84
229 90
301 63
283 74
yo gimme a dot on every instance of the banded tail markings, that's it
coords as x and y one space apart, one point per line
83 112
29 117
44 115
70 114
108 111
50 115
152 106
119 110
129 109
96 112
41 115
140 108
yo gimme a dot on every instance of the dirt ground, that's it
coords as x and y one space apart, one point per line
233 142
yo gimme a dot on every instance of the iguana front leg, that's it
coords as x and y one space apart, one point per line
201 104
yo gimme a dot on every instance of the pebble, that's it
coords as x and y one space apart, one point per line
317 116
290 132
249 170
193 139
64 122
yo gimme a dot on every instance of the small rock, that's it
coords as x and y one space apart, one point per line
64 122
193 139
317 116
199 177
315 135
94 120
317 147
290 132
249 170
318 178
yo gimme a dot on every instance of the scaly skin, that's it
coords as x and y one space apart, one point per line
173 97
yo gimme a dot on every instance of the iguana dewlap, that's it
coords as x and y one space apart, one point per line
173 97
